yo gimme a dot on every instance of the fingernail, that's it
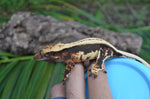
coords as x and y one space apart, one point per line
60 98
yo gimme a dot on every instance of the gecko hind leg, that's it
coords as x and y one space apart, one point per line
99 65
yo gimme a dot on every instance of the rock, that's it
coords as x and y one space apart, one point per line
26 33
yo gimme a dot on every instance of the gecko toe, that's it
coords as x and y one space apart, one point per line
104 71
90 75
89 70
95 76
64 82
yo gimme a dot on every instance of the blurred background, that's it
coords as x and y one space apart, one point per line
22 77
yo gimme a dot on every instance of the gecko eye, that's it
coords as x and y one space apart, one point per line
41 53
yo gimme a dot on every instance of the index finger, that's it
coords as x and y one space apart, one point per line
75 86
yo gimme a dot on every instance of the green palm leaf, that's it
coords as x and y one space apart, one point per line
27 79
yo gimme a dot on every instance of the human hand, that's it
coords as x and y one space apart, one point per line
74 88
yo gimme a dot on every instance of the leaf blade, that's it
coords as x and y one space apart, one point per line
35 80
23 80
10 84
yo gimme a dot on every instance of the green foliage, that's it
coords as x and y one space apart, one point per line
22 77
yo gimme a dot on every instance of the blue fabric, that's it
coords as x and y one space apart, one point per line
60 98
127 78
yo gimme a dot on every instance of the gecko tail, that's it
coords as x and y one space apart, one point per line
129 55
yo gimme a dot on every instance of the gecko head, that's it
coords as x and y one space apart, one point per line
40 56
46 54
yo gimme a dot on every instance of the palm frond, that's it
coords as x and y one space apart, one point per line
23 77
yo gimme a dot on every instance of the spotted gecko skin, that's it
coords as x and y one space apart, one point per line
83 51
